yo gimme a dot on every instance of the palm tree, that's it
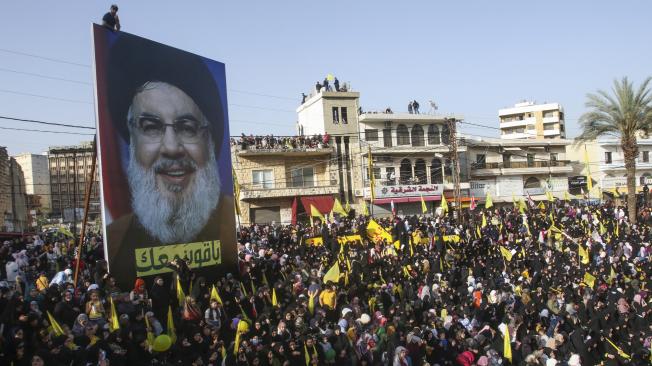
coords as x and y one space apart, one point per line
625 114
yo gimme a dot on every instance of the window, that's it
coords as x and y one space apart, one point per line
549 127
553 159
405 171
445 135
371 135
336 115
607 157
420 172
417 136
402 135
344 114
530 160
507 160
532 182
480 161
548 114
263 178
303 177
646 156
436 172
433 135
387 137
390 175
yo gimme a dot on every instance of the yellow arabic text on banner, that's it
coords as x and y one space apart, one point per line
154 260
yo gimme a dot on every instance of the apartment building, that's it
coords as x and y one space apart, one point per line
528 120
279 181
70 167
516 168
411 159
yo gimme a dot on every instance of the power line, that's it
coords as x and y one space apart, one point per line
44 58
45 123
47 131
44 76
261 94
44 96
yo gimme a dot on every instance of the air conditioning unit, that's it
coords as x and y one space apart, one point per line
358 193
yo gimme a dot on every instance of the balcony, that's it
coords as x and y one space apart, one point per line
282 151
551 119
517 123
521 167
253 192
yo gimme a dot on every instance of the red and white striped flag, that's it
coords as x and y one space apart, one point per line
474 203
393 208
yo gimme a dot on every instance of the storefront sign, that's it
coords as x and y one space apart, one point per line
409 190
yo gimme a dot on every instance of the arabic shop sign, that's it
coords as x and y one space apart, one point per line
409 190
154 260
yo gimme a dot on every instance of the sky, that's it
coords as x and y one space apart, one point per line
471 57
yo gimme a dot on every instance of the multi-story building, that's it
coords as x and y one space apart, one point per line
411 159
70 167
37 181
516 168
13 208
528 120
606 165
280 177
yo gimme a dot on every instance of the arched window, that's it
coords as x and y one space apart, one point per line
433 135
406 171
417 136
402 135
436 172
420 171
445 135
532 182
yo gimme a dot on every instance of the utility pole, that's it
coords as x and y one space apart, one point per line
452 148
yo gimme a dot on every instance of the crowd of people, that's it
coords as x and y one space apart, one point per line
564 284
285 142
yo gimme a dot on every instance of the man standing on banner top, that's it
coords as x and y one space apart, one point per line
110 20
167 107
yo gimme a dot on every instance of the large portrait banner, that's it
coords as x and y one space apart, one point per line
165 163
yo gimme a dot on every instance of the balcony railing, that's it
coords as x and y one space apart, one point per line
522 164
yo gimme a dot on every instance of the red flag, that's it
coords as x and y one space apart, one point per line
474 204
393 208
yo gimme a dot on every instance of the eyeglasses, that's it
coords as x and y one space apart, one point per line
152 130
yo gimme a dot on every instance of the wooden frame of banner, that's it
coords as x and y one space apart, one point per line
87 199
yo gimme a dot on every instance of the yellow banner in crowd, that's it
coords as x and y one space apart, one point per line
451 239
154 260
341 239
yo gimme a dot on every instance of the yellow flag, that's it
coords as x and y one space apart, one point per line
180 295
443 313
236 192
372 180
621 353
114 324
306 354
333 274
584 255
603 230
373 230
311 303
566 196
589 279
484 221
338 209
612 275
507 345
365 209
541 206
315 213
444 204
551 198
171 332
477 231
488 202
617 229
274 298
424 208
215 295
347 206
150 334
56 328
506 253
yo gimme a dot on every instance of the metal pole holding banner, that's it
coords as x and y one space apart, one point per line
87 201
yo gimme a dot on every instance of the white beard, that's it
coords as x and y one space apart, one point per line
173 220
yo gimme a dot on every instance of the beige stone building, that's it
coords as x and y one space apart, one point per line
13 206
278 180
528 120
37 181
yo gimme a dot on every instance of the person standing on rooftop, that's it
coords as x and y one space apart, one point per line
111 20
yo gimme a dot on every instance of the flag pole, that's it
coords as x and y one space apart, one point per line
89 188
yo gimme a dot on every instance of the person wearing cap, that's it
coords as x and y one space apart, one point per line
111 20
166 107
